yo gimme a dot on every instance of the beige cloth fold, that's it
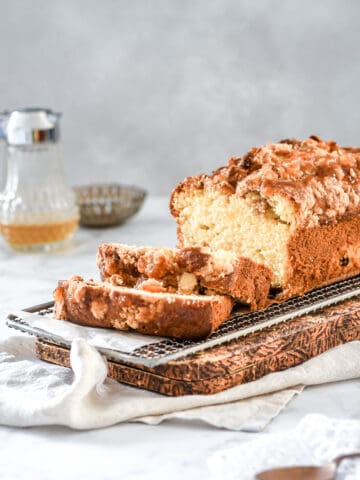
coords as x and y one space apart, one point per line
33 392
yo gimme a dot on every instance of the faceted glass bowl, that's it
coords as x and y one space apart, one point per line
103 205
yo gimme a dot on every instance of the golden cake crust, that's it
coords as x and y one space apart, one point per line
321 255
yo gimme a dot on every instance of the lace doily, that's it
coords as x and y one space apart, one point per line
315 441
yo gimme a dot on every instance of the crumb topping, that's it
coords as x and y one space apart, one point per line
319 179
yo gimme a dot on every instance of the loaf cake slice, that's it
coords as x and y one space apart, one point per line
104 304
292 206
189 270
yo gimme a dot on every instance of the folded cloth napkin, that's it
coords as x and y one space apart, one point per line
315 441
33 392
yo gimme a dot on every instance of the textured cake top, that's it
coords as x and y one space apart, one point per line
319 180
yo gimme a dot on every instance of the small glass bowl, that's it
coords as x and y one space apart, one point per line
103 205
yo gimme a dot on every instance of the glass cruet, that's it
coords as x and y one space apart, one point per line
38 210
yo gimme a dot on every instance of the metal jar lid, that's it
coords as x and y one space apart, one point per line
29 126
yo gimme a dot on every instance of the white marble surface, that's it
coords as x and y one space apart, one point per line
133 451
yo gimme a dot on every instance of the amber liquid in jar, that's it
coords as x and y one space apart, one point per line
39 236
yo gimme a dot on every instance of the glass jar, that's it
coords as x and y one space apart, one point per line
38 210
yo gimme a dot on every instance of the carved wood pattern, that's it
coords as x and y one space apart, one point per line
243 360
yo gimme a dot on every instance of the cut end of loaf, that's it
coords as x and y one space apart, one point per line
249 227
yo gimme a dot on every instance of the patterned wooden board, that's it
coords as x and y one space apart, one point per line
239 361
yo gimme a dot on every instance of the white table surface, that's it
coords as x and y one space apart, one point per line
174 449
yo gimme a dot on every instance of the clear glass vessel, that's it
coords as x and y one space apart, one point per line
38 210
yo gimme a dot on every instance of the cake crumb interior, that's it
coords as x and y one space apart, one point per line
248 226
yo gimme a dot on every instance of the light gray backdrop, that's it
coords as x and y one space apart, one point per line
153 91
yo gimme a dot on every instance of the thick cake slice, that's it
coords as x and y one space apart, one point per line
187 271
102 304
293 206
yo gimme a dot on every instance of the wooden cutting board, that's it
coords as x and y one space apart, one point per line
239 361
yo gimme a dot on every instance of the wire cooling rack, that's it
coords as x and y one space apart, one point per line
238 325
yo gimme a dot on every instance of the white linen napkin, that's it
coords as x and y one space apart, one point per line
33 392
316 440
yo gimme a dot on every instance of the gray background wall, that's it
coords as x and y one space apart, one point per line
153 91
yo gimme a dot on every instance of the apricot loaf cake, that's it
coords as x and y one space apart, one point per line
292 206
191 270
105 304
285 216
